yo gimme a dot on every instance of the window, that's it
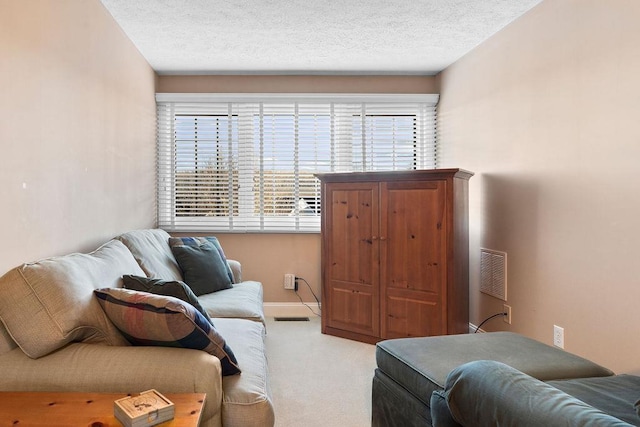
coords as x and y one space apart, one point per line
246 163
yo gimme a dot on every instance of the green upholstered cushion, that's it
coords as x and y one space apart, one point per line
421 365
614 395
490 393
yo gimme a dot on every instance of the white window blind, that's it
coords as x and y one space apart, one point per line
246 163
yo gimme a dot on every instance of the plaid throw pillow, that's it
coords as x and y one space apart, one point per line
169 288
148 319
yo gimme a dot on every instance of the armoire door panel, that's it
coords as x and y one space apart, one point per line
414 227
409 317
354 246
354 308
351 268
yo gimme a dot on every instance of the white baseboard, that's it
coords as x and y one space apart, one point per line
472 329
289 309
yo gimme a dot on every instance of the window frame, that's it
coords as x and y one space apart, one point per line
252 223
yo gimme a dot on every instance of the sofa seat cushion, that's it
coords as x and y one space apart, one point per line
151 250
47 304
115 369
243 301
615 395
246 400
421 365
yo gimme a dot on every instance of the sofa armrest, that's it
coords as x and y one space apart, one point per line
236 269
118 369
440 414
489 393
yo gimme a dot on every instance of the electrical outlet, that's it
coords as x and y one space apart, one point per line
558 336
506 309
289 281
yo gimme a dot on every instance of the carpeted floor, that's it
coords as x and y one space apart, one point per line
318 380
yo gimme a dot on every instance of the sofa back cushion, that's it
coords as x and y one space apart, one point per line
47 304
151 250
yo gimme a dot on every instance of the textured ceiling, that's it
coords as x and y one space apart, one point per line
419 37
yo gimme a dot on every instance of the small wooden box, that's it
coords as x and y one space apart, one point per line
147 409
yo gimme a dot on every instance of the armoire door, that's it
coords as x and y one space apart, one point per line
413 258
351 264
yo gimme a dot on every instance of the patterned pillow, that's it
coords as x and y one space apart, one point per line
204 267
168 288
156 320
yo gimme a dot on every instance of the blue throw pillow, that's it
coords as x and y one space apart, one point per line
215 242
203 268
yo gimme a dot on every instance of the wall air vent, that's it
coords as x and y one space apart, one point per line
493 273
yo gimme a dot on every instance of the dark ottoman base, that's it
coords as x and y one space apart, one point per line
393 406
410 369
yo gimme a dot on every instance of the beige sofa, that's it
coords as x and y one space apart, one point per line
54 335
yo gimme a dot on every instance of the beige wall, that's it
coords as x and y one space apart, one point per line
547 114
267 257
77 131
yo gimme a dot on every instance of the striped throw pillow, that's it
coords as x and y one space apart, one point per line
158 320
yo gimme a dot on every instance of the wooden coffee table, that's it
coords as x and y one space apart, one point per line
85 409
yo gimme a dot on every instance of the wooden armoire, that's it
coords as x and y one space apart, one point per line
395 254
